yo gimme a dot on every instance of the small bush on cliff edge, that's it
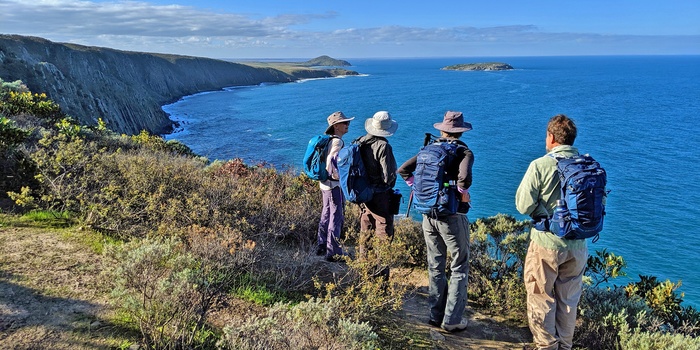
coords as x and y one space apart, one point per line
314 324
168 288
498 245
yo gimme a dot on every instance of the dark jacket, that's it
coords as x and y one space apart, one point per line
378 157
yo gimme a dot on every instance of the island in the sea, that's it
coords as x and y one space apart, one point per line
479 66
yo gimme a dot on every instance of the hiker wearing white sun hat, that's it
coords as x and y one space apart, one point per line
378 157
381 124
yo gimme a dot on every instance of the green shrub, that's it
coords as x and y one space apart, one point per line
157 143
16 170
665 303
168 290
365 295
10 135
640 340
651 308
602 311
155 284
498 245
315 324
24 102
602 267
409 241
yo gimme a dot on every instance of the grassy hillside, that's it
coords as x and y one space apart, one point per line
109 240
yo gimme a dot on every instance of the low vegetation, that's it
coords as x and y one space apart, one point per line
221 254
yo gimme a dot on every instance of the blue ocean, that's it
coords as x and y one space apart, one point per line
639 116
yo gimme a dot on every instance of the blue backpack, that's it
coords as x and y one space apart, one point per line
315 157
433 192
583 192
354 180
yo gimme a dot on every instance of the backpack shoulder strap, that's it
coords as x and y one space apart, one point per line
556 156
342 143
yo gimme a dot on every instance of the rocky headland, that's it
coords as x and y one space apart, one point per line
127 89
479 66
326 61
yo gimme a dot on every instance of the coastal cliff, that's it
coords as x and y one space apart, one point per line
125 89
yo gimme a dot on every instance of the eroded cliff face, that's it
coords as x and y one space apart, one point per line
125 89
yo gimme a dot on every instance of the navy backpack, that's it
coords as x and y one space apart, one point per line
583 191
433 193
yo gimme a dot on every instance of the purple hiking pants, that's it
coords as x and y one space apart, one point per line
331 223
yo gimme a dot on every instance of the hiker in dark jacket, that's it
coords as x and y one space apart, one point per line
449 232
378 157
332 216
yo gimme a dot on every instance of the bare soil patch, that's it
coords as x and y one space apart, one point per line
483 331
50 296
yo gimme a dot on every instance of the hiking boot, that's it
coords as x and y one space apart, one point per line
456 327
320 250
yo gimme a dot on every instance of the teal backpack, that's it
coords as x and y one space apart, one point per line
315 157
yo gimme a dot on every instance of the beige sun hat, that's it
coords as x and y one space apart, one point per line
381 124
335 118
453 122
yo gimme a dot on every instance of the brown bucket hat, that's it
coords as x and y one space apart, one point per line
335 118
453 122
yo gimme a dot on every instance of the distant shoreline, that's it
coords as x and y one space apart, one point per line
177 124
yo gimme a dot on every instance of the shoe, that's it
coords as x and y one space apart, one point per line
455 327
434 323
320 250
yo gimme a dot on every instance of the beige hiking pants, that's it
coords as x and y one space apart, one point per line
553 279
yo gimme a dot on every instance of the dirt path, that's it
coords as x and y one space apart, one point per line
483 332
49 293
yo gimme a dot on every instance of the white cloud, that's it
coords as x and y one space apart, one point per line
80 17
142 26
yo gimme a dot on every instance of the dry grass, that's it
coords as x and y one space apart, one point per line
50 296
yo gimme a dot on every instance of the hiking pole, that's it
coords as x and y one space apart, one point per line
426 141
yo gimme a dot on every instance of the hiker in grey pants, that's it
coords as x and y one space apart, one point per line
448 233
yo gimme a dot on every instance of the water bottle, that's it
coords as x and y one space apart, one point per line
558 225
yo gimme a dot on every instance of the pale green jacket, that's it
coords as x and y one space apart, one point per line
538 193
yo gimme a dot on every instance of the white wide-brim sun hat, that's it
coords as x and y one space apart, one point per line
381 124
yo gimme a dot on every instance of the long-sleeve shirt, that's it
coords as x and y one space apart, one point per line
537 196
332 164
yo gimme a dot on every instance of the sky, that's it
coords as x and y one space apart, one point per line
250 29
